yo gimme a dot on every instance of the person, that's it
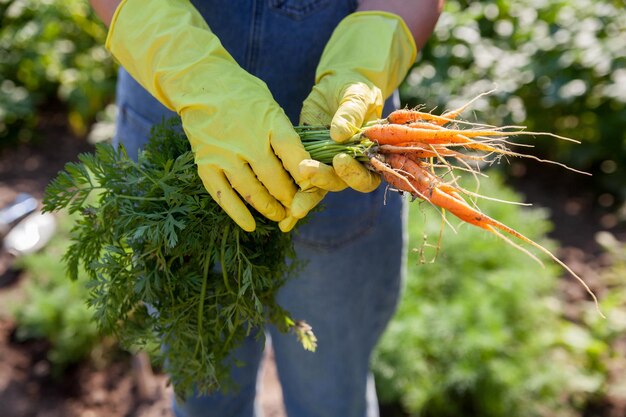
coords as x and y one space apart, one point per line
240 74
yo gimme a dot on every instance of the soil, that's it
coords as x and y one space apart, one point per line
578 219
121 388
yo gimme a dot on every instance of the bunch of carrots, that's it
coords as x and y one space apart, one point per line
419 153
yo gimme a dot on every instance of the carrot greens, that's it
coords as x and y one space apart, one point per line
165 264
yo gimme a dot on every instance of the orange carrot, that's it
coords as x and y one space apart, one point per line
418 150
407 116
404 116
421 183
422 150
390 134
425 125
428 185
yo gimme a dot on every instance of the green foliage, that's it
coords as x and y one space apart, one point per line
606 350
54 307
163 261
51 50
559 66
478 331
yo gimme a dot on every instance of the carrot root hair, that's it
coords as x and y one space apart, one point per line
410 176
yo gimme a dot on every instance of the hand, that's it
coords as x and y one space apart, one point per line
244 144
365 59
345 113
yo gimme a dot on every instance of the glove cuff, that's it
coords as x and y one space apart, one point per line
378 45
109 39
163 47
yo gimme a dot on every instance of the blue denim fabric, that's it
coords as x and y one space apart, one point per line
353 248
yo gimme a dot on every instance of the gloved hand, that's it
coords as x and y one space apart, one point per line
241 138
365 60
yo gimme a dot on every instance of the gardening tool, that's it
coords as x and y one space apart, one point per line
30 234
24 230
23 205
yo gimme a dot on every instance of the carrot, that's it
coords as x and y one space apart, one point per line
429 186
425 185
407 116
425 125
419 150
404 116
453 114
390 134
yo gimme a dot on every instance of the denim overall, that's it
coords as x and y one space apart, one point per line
354 247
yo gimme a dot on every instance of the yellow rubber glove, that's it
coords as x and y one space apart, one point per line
244 144
365 60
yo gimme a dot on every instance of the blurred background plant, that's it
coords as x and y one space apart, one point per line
608 337
558 65
53 307
481 331
52 56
